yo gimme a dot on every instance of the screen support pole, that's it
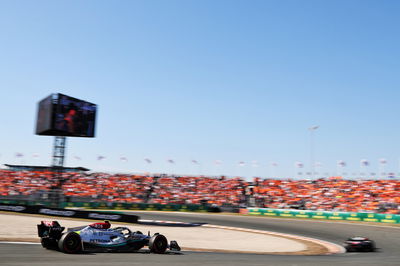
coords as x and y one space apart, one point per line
58 168
59 151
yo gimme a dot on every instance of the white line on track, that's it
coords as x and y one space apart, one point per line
333 222
19 243
277 218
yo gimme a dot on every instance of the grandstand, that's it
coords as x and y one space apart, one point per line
382 196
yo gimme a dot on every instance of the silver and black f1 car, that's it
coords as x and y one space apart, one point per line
99 237
358 243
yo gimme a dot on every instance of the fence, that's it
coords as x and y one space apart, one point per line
327 215
83 214
123 206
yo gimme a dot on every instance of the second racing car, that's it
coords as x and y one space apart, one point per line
357 243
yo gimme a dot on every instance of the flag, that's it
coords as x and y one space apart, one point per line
100 157
195 162
35 155
170 161
77 158
254 163
19 155
299 164
274 164
147 160
313 127
218 162
123 158
364 162
341 163
382 161
242 163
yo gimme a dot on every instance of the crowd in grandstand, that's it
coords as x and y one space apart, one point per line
323 194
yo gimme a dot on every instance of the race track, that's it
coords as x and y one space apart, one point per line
386 237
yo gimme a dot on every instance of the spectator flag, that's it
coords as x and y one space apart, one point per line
100 157
382 164
318 164
382 161
299 164
195 162
147 160
341 163
313 127
19 155
242 164
171 161
364 162
123 158
274 164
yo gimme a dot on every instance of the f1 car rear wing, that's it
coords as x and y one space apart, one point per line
50 229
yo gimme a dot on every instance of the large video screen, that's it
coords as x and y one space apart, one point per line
44 119
68 116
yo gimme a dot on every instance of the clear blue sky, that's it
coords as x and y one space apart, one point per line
206 80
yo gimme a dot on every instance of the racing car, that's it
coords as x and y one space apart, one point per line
100 237
358 243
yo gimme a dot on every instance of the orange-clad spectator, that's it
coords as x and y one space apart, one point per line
335 194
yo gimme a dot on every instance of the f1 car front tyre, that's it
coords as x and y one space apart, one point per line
158 244
70 243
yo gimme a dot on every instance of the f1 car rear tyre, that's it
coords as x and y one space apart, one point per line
158 244
70 243
48 243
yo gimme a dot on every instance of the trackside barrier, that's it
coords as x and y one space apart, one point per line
49 211
123 206
144 206
327 215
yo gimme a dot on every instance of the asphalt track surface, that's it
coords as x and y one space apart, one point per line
386 237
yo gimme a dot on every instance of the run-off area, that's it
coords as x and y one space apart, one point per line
23 228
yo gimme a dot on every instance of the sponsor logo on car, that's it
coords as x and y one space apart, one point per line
110 233
99 241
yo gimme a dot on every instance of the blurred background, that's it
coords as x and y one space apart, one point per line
250 91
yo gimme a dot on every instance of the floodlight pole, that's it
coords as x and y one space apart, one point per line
312 145
58 167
